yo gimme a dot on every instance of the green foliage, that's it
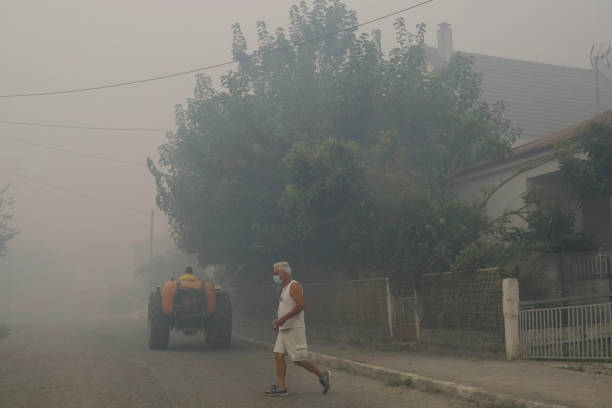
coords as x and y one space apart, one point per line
552 226
482 255
592 177
551 229
526 259
329 151
326 200
536 271
585 165
422 231
6 231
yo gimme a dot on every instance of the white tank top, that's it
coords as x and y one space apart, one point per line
285 305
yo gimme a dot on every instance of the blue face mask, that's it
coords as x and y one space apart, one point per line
276 279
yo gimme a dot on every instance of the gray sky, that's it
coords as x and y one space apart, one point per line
49 45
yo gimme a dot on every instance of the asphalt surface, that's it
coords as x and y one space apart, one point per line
106 363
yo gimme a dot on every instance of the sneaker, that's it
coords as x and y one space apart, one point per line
326 381
276 391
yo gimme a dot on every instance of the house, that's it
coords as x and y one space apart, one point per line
532 165
539 98
549 103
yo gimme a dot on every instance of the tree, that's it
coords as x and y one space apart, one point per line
327 202
6 231
328 151
591 177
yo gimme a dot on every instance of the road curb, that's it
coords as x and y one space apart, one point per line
396 377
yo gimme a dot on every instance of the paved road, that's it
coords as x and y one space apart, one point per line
105 363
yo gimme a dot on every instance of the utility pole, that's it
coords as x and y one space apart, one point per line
597 101
599 52
151 252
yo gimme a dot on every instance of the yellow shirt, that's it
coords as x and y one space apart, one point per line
188 277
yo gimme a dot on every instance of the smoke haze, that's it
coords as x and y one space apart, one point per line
83 240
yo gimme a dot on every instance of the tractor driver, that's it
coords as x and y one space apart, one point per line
188 276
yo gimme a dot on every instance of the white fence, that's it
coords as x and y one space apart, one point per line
572 332
586 265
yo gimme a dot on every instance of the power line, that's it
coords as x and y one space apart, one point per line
61 126
74 193
59 149
209 67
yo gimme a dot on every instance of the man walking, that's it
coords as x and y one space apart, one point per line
291 336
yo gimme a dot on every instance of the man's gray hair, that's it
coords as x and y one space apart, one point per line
283 266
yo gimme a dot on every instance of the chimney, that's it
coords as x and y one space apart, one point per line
445 40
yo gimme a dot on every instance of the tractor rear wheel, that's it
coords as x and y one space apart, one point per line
158 323
219 333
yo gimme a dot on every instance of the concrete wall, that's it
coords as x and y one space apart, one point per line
587 287
594 217
509 197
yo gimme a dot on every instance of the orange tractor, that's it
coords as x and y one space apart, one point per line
190 307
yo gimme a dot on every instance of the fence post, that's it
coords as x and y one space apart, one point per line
389 310
511 317
417 317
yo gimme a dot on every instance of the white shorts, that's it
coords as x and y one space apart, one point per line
292 342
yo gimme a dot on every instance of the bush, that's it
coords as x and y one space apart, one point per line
537 273
481 255
536 270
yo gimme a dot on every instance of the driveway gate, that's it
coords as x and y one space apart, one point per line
572 332
405 318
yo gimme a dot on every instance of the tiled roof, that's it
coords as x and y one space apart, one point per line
536 146
570 132
540 98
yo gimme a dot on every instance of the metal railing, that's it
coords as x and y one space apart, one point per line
603 297
572 332
586 264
